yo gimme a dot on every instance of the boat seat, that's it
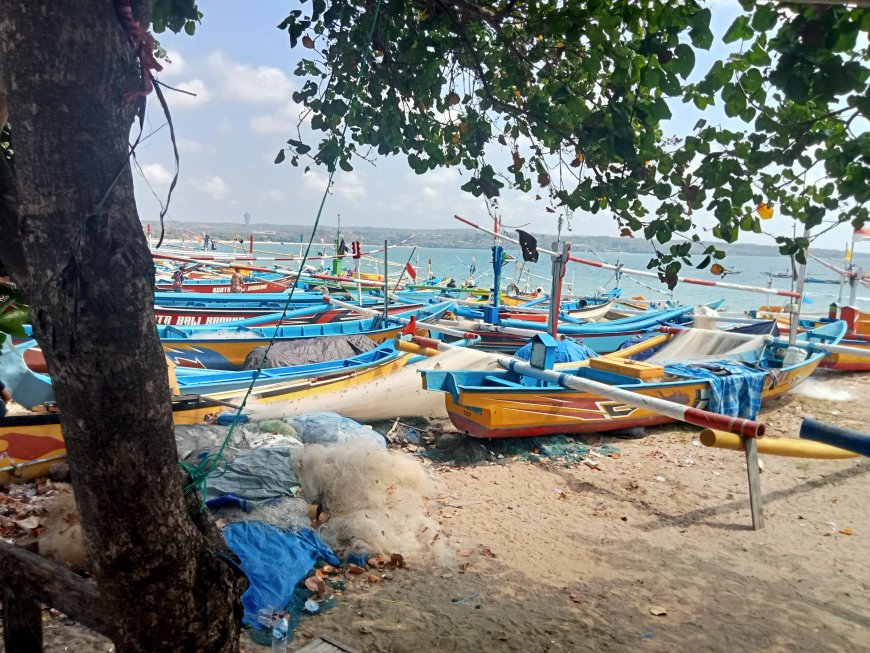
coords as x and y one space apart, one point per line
497 380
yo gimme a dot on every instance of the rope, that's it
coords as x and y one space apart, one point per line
215 464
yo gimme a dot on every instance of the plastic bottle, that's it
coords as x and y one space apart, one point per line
280 629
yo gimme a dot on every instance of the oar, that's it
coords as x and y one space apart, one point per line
703 418
641 273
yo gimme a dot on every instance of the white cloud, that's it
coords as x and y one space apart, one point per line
215 187
188 145
275 195
314 181
156 175
283 121
173 65
350 186
257 85
201 95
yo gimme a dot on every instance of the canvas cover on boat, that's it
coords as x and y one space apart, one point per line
309 350
723 358
703 345
567 351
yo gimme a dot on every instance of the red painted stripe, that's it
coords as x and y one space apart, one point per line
700 282
746 428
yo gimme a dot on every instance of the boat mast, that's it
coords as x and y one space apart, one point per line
799 289
490 313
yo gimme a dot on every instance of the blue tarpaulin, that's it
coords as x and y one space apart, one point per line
567 351
734 392
275 562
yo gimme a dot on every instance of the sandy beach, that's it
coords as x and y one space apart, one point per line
652 551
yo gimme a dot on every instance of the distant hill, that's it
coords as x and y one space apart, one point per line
446 238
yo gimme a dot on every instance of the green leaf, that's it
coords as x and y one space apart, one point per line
280 157
660 110
12 322
764 17
700 32
740 30
684 61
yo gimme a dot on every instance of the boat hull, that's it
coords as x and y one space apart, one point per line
30 444
193 316
497 413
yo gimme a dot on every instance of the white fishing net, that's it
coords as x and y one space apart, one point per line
289 513
703 345
377 499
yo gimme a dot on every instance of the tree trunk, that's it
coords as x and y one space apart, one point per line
84 266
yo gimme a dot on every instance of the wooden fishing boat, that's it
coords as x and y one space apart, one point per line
30 444
574 311
225 347
275 382
380 384
298 314
382 396
506 404
222 285
601 337
857 335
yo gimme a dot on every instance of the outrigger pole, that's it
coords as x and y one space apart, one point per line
642 273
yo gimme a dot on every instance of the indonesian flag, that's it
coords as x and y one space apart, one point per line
413 273
861 234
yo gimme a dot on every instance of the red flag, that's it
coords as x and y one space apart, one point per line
861 234
411 271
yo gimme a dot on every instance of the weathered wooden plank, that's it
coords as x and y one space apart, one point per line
325 644
751 447
22 621
54 585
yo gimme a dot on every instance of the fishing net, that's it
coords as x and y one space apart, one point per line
703 345
289 514
376 499
307 351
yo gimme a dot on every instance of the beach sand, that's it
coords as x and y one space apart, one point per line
652 552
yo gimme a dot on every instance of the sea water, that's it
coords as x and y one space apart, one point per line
462 264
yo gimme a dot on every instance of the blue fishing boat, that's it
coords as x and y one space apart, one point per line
601 337
225 346
719 372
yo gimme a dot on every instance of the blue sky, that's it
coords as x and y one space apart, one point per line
241 68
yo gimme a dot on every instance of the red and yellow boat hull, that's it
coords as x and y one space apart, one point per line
505 413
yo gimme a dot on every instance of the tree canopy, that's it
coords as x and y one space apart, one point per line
567 101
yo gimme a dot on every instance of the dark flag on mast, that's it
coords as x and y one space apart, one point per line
529 245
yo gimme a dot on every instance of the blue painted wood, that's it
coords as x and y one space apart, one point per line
835 436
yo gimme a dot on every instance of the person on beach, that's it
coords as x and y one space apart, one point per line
237 282
177 280
6 396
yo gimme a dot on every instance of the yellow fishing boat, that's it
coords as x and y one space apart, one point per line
30 444
510 404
